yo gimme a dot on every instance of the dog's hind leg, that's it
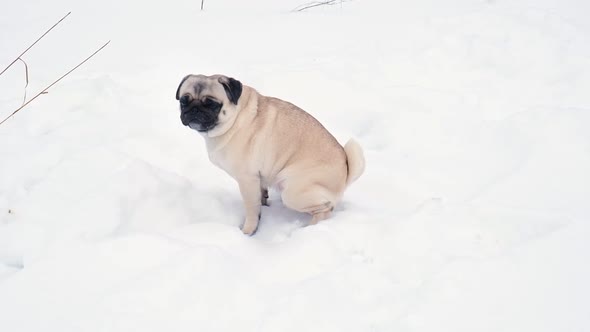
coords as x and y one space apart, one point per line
319 216
315 200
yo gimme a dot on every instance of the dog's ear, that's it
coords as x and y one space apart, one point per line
179 85
233 88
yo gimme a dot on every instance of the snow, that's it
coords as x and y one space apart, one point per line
473 212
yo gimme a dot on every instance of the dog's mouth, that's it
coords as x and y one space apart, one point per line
200 127
199 121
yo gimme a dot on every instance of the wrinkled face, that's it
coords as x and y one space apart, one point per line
208 103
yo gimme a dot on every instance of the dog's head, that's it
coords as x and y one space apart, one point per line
208 104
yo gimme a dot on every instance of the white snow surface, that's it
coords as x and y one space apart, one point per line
472 215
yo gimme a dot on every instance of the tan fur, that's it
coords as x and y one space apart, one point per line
263 142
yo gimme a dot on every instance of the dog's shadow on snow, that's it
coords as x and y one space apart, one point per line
277 221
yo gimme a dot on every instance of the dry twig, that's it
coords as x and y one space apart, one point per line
317 3
44 91
33 44
26 78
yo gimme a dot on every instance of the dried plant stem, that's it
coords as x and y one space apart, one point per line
26 78
316 4
202 4
44 91
33 44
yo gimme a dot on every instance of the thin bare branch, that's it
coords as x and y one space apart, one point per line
316 4
33 44
202 4
26 78
44 91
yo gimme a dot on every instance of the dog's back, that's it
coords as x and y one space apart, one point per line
301 144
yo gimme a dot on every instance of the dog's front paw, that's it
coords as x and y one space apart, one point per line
249 227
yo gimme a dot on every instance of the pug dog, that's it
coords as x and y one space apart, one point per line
266 142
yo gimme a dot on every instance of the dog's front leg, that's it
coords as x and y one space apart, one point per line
251 196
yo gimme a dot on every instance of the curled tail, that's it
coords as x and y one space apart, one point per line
355 160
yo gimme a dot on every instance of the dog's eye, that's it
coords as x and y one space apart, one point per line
184 100
208 102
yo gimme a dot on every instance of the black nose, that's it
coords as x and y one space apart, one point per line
184 100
